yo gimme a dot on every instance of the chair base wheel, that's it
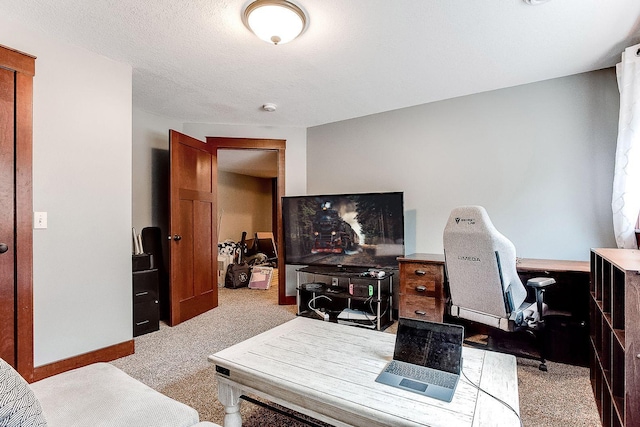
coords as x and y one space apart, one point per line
543 367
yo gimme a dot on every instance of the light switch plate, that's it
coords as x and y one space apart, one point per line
39 220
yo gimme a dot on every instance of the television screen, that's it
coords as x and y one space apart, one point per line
350 230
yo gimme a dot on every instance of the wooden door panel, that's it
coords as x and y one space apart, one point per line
184 250
195 169
202 247
193 248
7 216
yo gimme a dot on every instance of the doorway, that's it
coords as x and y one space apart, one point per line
246 193
276 148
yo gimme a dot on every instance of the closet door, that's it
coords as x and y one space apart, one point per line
7 218
16 209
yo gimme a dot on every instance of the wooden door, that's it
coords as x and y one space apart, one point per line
7 218
16 209
193 247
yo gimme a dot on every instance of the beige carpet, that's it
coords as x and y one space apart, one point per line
174 362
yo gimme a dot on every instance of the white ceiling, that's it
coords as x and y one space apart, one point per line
196 62
258 163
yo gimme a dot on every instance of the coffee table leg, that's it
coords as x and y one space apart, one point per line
229 396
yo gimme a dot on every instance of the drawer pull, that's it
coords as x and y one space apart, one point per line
421 288
142 323
420 272
139 294
421 313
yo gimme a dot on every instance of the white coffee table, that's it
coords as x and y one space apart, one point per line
328 371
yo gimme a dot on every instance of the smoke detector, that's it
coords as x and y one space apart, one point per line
269 107
535 2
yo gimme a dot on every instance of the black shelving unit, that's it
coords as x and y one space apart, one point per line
325 292
146 309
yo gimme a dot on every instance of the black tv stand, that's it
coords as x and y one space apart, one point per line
345 295
329 270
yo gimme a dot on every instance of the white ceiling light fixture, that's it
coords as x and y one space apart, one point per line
535 2
274 21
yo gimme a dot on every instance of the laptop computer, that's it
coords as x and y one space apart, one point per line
427 358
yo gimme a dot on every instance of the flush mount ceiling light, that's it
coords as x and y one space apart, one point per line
274 21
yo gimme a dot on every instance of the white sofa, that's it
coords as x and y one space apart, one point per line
96 395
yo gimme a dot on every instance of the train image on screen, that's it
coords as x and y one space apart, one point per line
332 234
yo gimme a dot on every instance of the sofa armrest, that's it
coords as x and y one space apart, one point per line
102 395
18 403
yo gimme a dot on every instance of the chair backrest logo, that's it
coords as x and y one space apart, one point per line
470 221
469 258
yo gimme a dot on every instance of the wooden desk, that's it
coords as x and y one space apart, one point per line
422 287
551 265
571 294
427 270
328 371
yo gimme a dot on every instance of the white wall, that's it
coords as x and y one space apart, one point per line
82 178
150 159
538 157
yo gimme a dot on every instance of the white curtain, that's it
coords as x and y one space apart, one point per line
626 180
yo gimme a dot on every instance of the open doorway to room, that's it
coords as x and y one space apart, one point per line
247 201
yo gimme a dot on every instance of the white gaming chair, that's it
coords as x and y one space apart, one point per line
483 282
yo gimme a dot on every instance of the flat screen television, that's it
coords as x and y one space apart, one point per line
344 230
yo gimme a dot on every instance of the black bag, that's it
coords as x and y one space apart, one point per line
238 275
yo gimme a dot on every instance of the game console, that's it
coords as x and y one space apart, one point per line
352 317
361 289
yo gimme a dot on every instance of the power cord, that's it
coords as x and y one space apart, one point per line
375 318
491 395
324 316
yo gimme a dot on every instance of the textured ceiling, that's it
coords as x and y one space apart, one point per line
258 163
196 62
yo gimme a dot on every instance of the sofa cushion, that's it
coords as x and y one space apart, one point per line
19 406
102 395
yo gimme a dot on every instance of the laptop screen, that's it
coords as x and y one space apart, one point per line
435 345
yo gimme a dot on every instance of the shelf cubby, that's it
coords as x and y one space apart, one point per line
615 335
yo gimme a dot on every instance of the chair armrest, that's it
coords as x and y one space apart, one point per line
540 282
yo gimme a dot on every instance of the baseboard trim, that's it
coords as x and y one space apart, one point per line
105 354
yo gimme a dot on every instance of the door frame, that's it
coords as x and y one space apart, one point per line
24 67
279 145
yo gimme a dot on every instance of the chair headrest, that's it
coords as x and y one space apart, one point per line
469 219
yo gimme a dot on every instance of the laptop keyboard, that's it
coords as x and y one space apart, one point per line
420 373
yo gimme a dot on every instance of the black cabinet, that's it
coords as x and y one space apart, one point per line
146 309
